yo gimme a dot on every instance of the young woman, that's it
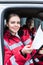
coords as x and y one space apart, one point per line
15 52
30 27
38 58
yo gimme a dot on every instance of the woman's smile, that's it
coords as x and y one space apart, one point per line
14 24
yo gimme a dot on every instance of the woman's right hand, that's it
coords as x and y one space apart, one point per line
26 49
41 51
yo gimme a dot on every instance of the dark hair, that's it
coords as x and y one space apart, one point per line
7 20
28 20
11 15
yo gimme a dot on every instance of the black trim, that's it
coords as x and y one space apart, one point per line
21 2
2 41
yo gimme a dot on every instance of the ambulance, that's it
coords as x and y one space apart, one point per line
25 8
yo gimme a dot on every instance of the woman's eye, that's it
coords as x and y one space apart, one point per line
12 22
18 22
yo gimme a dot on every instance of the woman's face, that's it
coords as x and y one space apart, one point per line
14 24
31 24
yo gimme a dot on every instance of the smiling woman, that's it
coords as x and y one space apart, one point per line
15 53
13 23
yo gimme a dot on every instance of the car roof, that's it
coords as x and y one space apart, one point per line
23 1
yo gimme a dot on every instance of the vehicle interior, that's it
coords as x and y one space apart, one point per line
36 13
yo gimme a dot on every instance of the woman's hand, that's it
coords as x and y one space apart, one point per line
26 49
41 51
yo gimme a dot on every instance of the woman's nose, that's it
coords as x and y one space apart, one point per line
16 24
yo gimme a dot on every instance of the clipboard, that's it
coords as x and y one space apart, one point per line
38 40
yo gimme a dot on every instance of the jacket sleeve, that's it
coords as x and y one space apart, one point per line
7 55
15 54
9 59
26 38
20 57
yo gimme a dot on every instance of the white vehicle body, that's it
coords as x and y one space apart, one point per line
6 5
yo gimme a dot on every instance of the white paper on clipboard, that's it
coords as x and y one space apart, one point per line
38 40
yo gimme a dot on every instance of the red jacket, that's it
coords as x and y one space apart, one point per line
12 47
25 39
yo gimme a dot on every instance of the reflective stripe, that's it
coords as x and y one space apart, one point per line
27 41
27 63
31 61
36 59
13 46
6 44
12 60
